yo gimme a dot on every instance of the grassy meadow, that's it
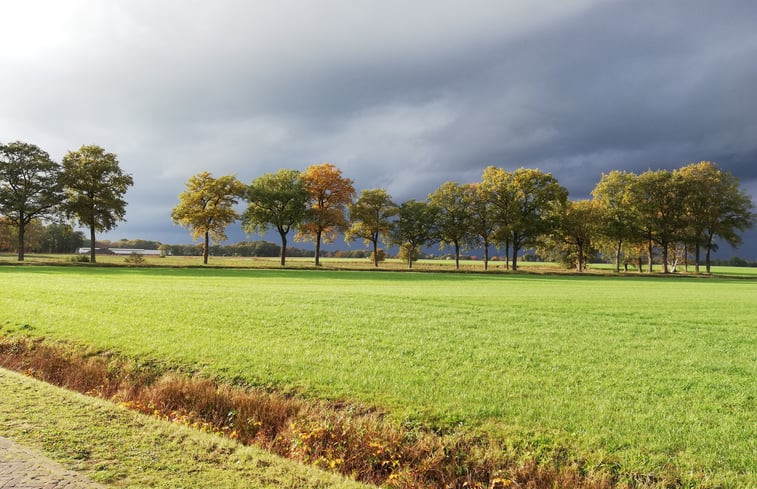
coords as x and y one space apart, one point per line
652 375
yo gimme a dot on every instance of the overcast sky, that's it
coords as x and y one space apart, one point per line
401 95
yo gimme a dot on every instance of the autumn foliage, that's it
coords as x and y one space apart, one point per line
206 207
330 194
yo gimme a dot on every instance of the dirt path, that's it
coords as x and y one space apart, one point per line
22 468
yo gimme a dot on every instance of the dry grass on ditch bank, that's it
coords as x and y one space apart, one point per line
342 438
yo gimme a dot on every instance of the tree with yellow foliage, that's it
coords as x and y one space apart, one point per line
330 194
206 208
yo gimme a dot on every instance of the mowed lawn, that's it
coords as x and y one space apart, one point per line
657 374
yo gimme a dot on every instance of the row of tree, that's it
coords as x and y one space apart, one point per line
691 207
87 186
680 213
676 212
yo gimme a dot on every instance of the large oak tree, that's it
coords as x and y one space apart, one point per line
206 208
659 197
618 213
714 206
330 195
276 199
482 223
95 186
578 228
525 205
415 227
537 200
30 187
499 193
454 216
371 217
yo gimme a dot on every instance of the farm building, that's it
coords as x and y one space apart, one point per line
119 251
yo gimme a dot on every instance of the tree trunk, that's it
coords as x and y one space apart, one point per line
641 264
486 254
410 257
318 248
696 258
507 253
515 257
707 260
92 242
649 255
580 259
618 251
21 231
457 255
283 253
375 252
205 248
665 258
686 257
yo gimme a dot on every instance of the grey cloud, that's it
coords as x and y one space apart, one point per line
398 95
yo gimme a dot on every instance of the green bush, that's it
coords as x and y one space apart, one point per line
79 259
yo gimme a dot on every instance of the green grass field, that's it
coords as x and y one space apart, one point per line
656 375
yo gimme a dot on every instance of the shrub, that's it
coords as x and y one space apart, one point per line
404 253
79 259
135 259
381 255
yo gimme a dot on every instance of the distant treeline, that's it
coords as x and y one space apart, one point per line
243 248
254 249
734 261
40 238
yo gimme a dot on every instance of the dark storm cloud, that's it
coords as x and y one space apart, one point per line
402 95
